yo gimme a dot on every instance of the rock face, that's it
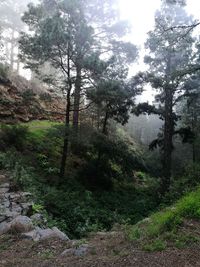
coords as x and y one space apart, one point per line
23 105
14 207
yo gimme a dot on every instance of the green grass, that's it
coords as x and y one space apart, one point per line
39 128
164 225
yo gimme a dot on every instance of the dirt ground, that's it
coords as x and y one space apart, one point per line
105 249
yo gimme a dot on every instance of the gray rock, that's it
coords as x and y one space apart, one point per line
68 252
46 233
60 234
6 203
4 190
16 208
5 185
32 235
4 228
11 215
26 207
21 224
3 217
81 251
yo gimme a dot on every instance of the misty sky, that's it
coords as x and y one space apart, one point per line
141 15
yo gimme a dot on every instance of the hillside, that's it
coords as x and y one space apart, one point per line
22 101
119 247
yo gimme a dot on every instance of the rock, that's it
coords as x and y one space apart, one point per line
21 224
38 219
32 235
5 185
81 251
16 208
46 234
6 203
3 217
11 215
4 190
60 234
26 207
4 228
68 252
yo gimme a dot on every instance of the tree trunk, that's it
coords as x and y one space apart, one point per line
168 130
67 118
77 93
104 130
66 137
168 141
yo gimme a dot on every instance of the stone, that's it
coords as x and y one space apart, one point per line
60 234
38 219
12 215
21 224
16 208
4 228
6 203
32 235
3 217
68 252
81 251
26 207
4 190
5 185
46 233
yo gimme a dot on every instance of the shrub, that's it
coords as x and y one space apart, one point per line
13 136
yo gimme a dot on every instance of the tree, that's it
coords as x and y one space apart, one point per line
11 25
62 34
170 52
113 93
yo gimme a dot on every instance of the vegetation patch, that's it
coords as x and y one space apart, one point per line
169 227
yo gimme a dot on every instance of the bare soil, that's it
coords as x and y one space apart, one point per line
105 249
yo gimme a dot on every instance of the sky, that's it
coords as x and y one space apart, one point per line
140 13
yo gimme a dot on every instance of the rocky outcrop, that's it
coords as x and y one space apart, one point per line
25 105
14 210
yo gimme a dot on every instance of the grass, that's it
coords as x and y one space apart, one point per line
152 233
39 128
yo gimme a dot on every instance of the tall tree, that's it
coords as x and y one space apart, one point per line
63 34
170 51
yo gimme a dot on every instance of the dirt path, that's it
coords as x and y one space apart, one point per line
110 249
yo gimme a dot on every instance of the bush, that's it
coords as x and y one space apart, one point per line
13 136
163 224
28 95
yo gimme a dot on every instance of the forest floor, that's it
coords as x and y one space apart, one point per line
104 249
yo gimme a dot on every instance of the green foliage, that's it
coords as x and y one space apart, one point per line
28 95
13 136
45 97
156 245
165 225
73 204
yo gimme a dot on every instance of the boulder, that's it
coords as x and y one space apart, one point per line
32 235
38 219
21 224
44 234
4 228
79 252
60 234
